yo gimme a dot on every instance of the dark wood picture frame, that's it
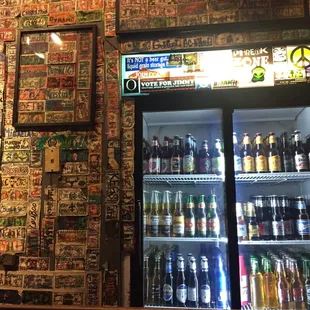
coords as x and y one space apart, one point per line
87 93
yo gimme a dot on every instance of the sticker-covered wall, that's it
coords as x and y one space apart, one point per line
60 230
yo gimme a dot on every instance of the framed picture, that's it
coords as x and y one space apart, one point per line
55 81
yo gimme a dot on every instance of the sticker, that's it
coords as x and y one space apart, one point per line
58 117
224 17
16 144
34 22
88 16
112 178
14 279
38 281
127 213
32 94
12 246
113 124
15 157
112 195
61 57
10 11
84 72
59 7
72 208
14 182
85 48
31 106
65 69
73 251
87 5
93 240
37 297
35 159
33 214
74 281
48 232
14 194
73 182
71 194
65 18
128 197
128 114
288 12
127 149
68 298
30 10
75 168
31 118
93 260
60 82
255 14
71 237
57 93
94 205
100 51
128 237
67 263
31 60
128 180
93 289
13 209
33 242
8 233
110 288
82 106
9 23
7 35
34 263
112 212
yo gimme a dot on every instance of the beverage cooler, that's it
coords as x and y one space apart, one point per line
222 188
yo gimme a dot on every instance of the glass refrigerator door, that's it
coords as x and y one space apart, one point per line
271 148
185 243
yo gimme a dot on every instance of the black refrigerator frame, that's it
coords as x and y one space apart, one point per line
228 100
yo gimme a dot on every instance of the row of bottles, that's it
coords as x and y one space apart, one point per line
266 155
168 283
195 218
176 158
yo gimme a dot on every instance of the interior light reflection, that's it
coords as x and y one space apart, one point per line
56 38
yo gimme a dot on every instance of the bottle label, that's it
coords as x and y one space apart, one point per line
156 291
205 294
274 163
178 225
167 292
218 165
301 162
192 294
244 289
176 164
190 225
188 163
181 293
298 294
284 295
222 297
205 165
154 222
202 225
166 225
253 231
165 166
288 164
261 163
154 165
288 227
301 205
307 287
264 228
145 166
237 163
214 225
303 227
278 228
248 164
242 231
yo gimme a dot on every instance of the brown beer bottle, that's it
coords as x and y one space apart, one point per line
302 222
283 287
246 154
260 156
274 159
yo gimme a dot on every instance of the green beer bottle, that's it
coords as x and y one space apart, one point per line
213 221
201 221
190 217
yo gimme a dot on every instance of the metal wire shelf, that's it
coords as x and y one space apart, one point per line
184 239
275 242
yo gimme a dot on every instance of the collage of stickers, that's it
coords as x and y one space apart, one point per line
161 14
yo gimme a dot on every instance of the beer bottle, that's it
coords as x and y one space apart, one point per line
277 219
265 229
297 287
220 283
241 225
181 139
237 158
188 159
287 158
181 288
146 280
156 284
260 156
165 159
176 157
146 157
307 282
213 221
257 287
168 284
154 161
178 216
302 222
218 160
170 148
190 217
283 287
187 270
205 160
165 217
246 154
154 216
192 289
274 159
201 222
270 287
253 228
146 215
196 156
244 285
301 160
287 217
204 284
